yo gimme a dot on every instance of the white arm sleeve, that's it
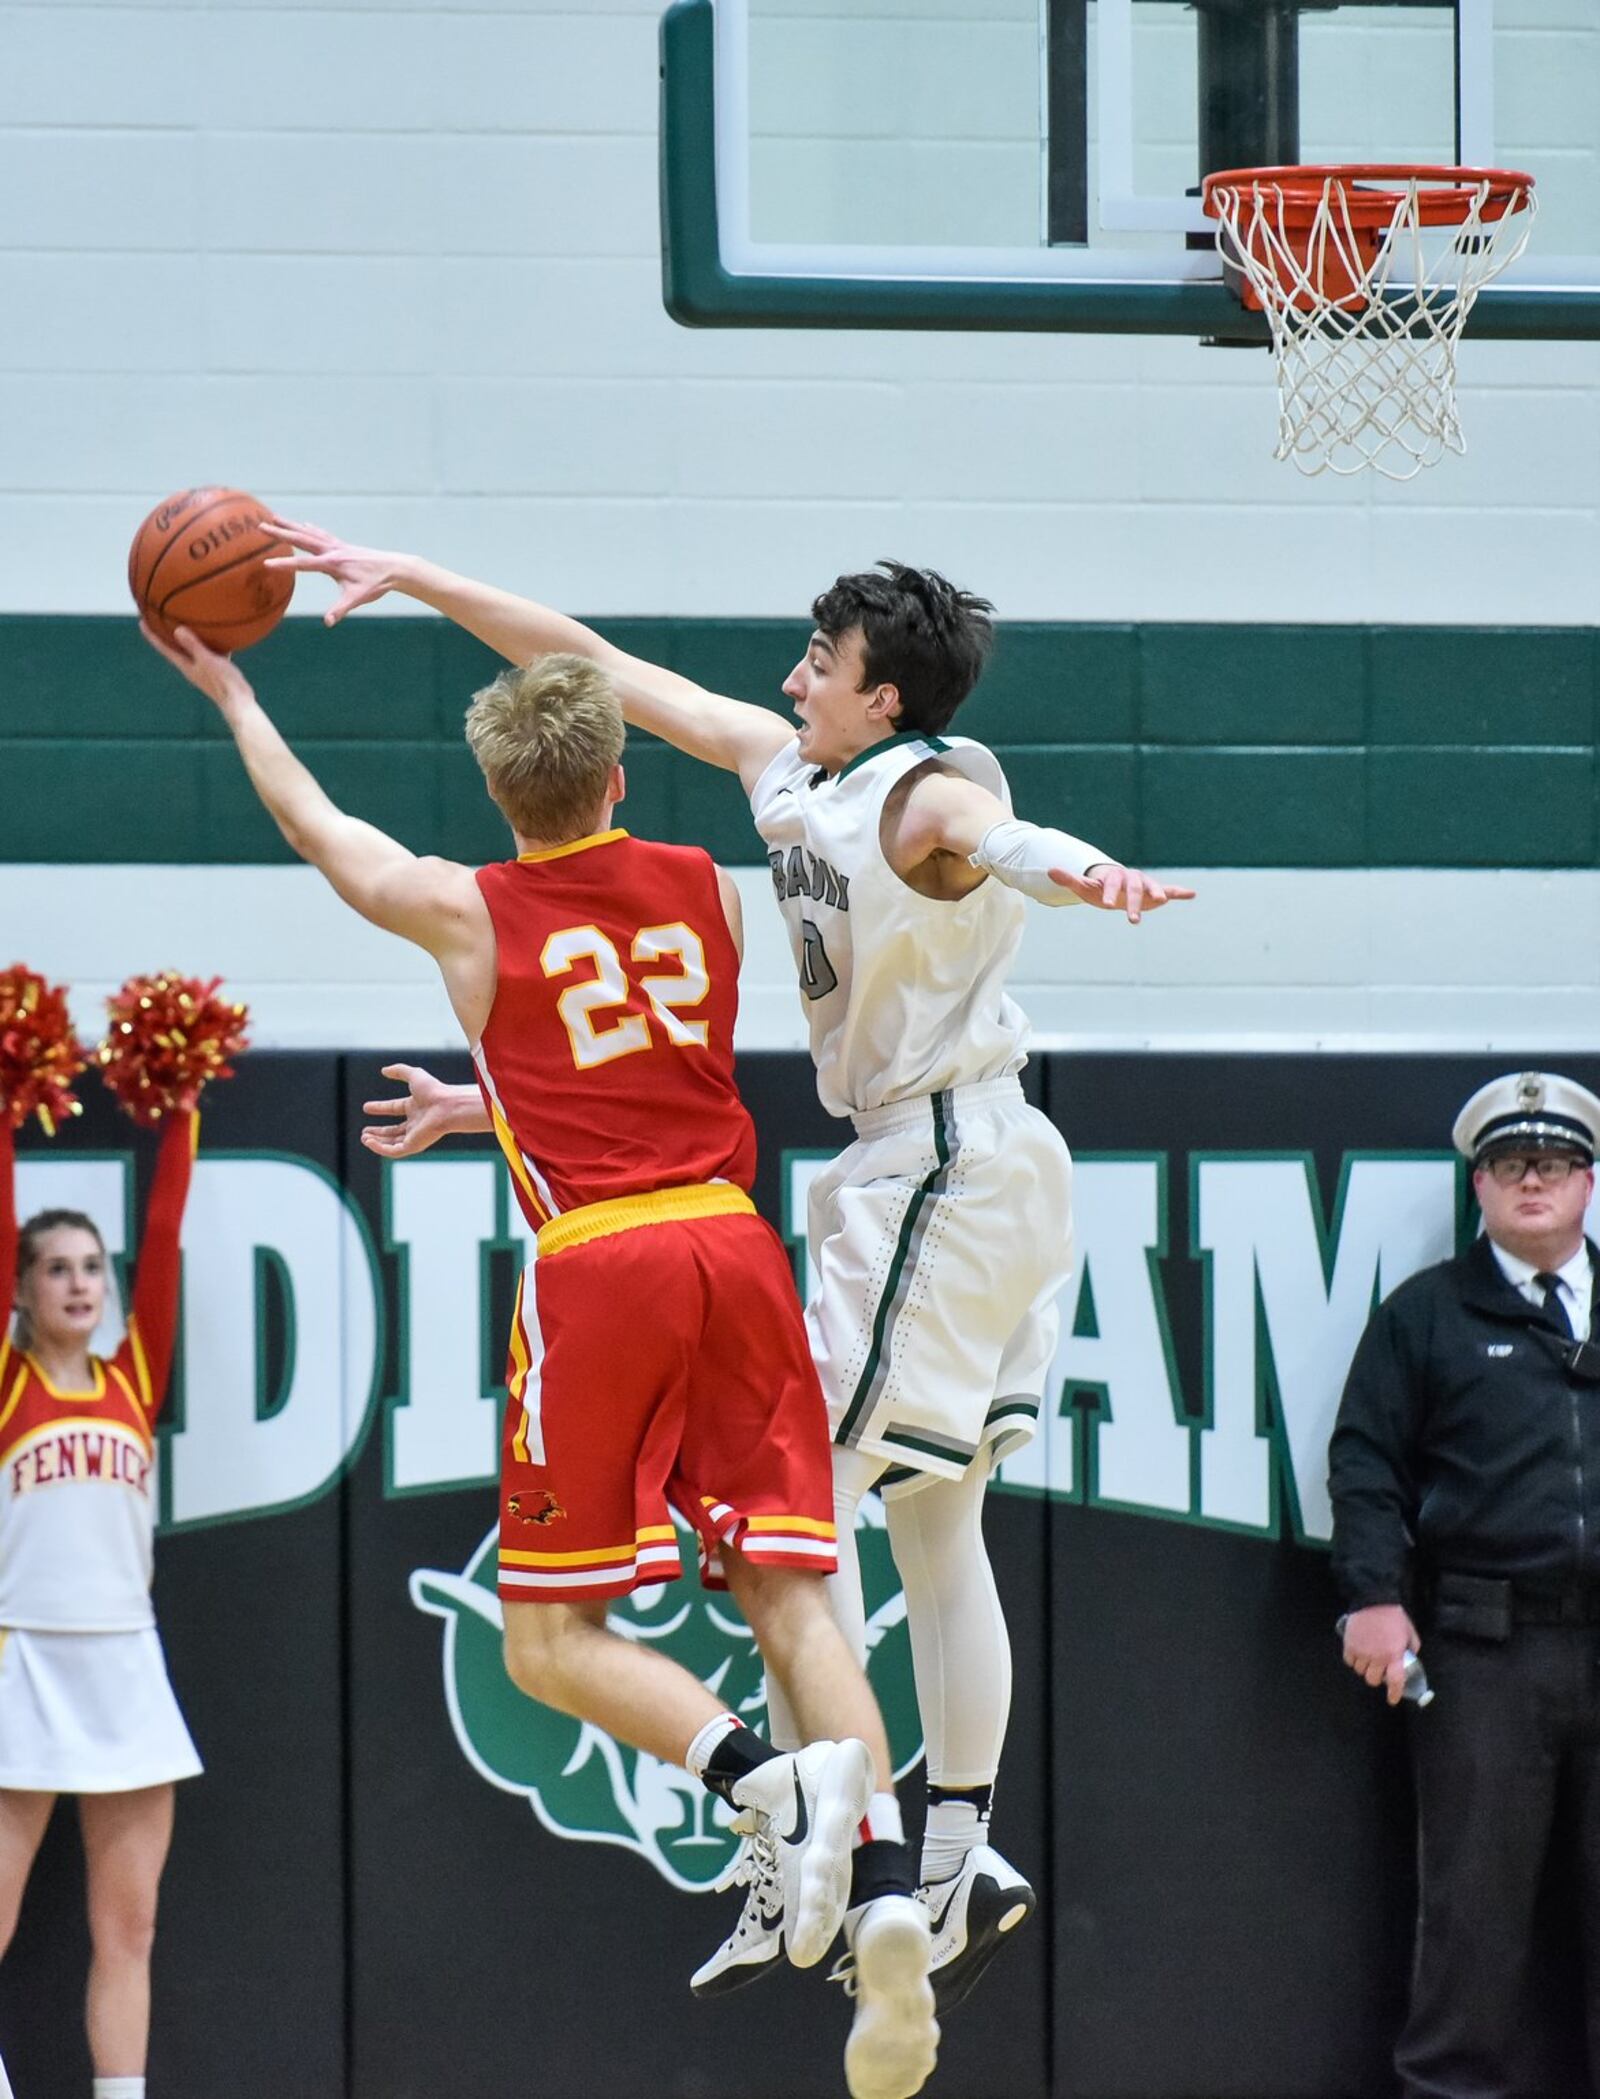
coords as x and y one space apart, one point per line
1022 855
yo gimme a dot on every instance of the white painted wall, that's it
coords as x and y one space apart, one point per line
1263 959
395 266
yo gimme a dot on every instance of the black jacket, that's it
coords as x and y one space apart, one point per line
1463 1441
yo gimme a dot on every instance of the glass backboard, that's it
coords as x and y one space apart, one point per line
1035 163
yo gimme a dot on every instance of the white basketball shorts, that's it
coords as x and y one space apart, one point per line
939 1242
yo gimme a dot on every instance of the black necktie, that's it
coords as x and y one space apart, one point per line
1554 1310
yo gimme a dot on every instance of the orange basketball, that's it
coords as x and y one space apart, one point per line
197 561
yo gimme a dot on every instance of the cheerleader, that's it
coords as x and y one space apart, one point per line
85 1704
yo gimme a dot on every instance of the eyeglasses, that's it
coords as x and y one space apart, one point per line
1552 1167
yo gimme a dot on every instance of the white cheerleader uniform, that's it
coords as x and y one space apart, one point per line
86 1705
85 1702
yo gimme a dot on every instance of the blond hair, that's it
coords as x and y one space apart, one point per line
546 736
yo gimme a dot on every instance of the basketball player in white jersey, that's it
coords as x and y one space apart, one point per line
940 1239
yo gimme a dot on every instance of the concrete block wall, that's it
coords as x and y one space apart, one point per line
398 266
395 266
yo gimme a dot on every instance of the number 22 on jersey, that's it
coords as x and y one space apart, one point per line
669 995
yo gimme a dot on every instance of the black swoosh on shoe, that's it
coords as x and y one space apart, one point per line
802 1820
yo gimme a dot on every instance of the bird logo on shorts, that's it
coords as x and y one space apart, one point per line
539 1507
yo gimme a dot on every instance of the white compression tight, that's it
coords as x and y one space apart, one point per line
959 1649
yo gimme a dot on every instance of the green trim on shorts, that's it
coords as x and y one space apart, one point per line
927 1447
880 1321
1005 1407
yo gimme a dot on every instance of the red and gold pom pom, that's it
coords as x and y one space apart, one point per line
169 1036
40 1054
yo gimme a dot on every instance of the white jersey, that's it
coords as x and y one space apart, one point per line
905 995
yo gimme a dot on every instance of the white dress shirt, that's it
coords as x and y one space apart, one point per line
1574 1284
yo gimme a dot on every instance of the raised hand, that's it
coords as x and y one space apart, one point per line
364 573
218 677
427 1111
1109 886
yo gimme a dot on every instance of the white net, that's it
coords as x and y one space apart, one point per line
1366 305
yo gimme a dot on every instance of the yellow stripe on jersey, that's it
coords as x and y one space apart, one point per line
133 1398
514 1159
136 1399
10 1405
520 1364
573 845
96 1364
802 1526
94 1424
141 1366
626 1212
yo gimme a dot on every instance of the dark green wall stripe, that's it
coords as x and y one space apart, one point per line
1170 745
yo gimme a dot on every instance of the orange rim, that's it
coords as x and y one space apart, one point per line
1445 202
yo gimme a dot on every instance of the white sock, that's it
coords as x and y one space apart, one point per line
695 1759
783 1729
954 1828
119 2088
883 1823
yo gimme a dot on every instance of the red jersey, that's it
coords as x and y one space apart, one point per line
76 1514
607 1061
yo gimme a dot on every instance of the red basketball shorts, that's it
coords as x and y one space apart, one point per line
658 1368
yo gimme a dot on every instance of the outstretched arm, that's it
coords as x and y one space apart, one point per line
425 1112
9 1236
430 902
153 1322
730 733
953 817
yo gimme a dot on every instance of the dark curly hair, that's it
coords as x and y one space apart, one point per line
919 633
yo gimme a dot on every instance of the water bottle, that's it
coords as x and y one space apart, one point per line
1416 1689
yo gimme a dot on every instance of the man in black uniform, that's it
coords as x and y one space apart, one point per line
1465 1476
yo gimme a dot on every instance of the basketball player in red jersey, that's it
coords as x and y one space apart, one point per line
595 977
85 1703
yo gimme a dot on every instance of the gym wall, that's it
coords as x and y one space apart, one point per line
397 268
399 1878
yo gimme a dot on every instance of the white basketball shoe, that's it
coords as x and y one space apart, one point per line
810 1804
756 1941
894 2037
971 1915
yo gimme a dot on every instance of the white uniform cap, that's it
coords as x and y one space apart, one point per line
1529 1111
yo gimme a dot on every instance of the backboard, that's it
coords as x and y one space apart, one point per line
1034 164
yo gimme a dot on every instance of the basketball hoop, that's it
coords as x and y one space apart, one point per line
1366 276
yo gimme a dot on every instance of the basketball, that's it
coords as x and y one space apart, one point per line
198 561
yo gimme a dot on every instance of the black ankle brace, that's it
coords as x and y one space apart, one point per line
880 1868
